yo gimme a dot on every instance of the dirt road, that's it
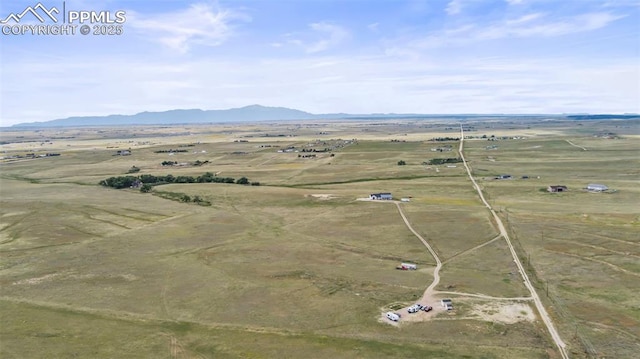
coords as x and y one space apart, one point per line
436 271
574 145
536 299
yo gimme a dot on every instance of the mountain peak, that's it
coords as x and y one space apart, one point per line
180 116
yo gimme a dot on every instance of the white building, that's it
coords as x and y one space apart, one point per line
386 196
594 187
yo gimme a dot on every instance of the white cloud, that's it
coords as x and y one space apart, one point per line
322 84
525 26
524 18
199 24
454 7
324 35
334 35
576 24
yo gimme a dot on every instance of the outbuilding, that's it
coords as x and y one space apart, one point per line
594 187
557 188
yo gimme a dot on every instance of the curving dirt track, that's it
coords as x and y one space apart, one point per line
436 271
574 145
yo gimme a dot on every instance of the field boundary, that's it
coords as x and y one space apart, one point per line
534 294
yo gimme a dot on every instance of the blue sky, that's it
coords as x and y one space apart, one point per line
325 56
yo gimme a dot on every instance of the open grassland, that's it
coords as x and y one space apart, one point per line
298 267
584 248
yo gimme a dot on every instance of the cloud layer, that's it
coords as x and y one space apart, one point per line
470 56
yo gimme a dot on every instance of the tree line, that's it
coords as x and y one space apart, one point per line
145 181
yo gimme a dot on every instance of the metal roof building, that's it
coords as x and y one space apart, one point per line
594 187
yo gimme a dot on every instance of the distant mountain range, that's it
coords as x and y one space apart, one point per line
253 113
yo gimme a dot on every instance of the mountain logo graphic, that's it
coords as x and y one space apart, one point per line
34 11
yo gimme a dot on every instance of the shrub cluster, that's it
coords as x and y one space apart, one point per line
442 139
441 161
170 151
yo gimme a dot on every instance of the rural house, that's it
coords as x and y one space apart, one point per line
386 196
555 189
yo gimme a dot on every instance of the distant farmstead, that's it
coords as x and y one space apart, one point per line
383 196
593 187
556 189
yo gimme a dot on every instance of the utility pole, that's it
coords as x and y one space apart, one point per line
547 283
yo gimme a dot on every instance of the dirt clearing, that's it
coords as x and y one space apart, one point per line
504 313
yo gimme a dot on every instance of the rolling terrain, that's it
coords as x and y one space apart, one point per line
297 266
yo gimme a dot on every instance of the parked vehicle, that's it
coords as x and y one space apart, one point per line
393 316
409 266
415 308
427 308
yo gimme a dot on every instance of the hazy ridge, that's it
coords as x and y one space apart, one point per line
256 113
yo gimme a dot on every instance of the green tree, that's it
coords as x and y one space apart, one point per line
145 188
242 180
401 163
185 198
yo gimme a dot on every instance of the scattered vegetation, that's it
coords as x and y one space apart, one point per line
170 151
443 139
442 161
133 169
199 163
182 197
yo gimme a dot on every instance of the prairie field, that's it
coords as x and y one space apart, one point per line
297 264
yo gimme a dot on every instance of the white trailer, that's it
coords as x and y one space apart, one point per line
393 316
409 266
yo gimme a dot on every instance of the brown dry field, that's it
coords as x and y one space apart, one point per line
297 267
